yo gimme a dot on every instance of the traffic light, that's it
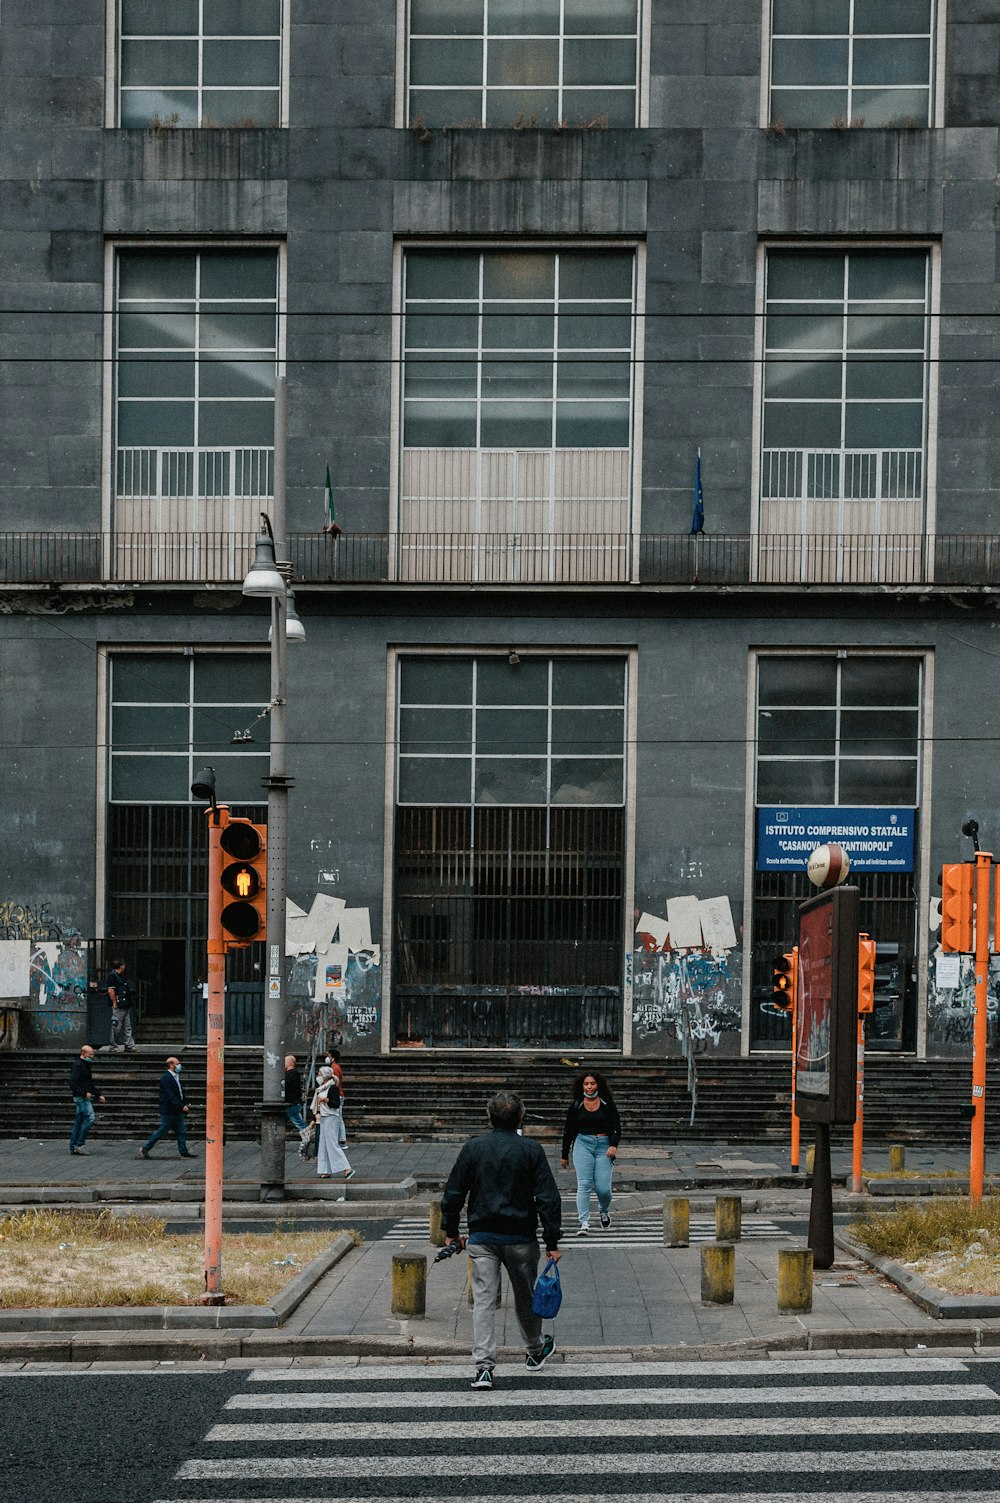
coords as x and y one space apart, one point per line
783 982
957 907
866 974
244 882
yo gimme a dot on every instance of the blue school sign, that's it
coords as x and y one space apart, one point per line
876 839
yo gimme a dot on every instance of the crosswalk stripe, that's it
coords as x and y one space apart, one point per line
624 1233
733 1370
549 1464
793 1426
539 1396
988 1495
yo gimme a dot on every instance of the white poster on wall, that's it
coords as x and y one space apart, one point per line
684 921
15 958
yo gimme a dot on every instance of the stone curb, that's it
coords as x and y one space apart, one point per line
239 1191
928 1296
127 1322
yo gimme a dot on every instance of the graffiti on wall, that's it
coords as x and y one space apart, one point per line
335 976
43 971
34 924
951 1009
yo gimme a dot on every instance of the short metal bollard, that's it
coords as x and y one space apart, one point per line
897 1158
795 1280
409 1284
728 1218
436 1229
718 1273
676 1221
810 1158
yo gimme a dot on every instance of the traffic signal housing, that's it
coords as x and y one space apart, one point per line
957 907
866 974
243 881
783 982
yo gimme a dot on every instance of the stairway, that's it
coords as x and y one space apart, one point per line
739 1100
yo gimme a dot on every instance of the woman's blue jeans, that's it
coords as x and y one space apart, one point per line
593 1172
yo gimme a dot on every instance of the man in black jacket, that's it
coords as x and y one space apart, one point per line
173 1111
510 1186
81 1084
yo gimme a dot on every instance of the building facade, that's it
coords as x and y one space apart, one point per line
528 266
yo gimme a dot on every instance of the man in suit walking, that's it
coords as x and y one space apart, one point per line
173 1111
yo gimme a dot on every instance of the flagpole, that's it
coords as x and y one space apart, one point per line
697 536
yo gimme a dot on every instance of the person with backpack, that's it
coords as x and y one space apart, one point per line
325 1111
592 1133
84 1093
510 1188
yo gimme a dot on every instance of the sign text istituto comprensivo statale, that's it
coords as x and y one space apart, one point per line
877 839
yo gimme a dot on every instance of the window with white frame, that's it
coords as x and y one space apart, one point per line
852 62
838 730
845 390
171 713
523 62
200 62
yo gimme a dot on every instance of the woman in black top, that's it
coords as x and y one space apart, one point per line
593 1131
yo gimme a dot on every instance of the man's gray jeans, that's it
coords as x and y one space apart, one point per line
521 1262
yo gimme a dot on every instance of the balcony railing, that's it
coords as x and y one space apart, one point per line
710 559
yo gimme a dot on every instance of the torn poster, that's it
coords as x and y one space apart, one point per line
652 932
684 920
717 926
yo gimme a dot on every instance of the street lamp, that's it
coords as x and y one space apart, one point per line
268 578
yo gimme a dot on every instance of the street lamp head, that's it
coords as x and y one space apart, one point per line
263 580
294 630
203 785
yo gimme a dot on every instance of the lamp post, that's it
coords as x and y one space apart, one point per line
268 578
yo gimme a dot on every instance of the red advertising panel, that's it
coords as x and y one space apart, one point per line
827 1008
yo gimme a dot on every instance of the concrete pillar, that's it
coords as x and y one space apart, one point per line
718 1273
436 1229
728 1218
409 1284
897 1158
676 1221
795 1280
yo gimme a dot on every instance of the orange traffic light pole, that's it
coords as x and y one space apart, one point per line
794 1153
214 1061
984 862
866 1003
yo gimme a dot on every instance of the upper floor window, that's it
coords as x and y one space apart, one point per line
523 62
200 62
852 62
518 349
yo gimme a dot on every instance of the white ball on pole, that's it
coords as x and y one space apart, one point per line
828 866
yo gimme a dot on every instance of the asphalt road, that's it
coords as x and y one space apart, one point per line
822 1428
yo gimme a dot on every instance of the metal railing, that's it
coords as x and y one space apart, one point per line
710 559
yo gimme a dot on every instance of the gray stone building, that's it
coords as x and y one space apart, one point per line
558 753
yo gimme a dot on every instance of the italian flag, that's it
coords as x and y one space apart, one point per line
330 524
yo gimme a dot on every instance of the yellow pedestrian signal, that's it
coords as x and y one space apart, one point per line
957 907
783 979
243 881
866 974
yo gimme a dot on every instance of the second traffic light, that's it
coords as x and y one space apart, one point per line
783 982
244 883
866 974
957 907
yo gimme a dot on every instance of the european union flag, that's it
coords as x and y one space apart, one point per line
698 514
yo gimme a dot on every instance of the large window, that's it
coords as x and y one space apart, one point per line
523 62
200 62
509 850
844 409
852 62
836 730
171 714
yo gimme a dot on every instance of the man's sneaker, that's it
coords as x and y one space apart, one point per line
483 1378
605 1220
131 1048
548 1347
144 1152
84 1151
584 1229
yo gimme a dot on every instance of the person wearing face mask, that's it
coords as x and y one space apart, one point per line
173 1111
592 1133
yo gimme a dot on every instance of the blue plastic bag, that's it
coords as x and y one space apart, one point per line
547 1295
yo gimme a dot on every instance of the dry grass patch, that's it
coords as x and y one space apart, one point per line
60 1258
951 1243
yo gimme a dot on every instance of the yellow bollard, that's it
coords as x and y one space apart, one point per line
676 1221
897 1158
728 1218
795 1280
409 1284
810 1158
718 1273
436 1229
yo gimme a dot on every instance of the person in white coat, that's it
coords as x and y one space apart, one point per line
325 1111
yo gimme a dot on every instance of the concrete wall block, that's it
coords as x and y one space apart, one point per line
974 48
76 256
972 153
728 257
970 100
733 51
592 208
685 102
968 256
366 257
678 49
167 208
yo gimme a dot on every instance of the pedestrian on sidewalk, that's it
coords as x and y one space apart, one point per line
84 1092
510 1187
173 1111
333 1060
324 1109
592 1133
293 1101
120 997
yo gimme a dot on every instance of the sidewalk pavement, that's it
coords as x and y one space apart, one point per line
632 1295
